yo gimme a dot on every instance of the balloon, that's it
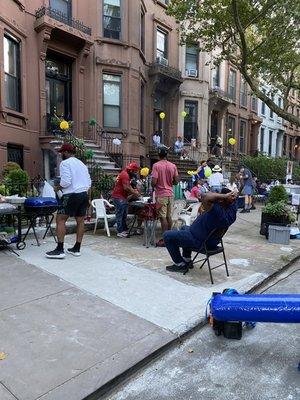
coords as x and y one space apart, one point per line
232 141
162 115
64 125
144 172
183 114
207 172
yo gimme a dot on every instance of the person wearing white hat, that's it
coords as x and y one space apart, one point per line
216 179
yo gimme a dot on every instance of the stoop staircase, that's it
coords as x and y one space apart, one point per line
101 159
182 165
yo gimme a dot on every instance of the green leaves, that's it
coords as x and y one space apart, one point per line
259 37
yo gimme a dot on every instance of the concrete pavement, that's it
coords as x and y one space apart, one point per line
260 366
71 326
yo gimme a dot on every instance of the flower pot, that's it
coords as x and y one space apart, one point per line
267 219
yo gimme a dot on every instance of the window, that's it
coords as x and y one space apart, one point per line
230 131
262 138
142 30
191 120
271 111
243 93
232 84
216 76
161 45
111 101
112 19
270 142
254 103
242 136
63 6
15 154
279 102
191 60
142 108
12 74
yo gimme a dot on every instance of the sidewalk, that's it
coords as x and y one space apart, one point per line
70 326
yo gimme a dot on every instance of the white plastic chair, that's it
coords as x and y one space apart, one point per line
188 216
100 207
178 207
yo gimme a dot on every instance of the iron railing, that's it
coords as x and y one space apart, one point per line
194 153
110 142
62 17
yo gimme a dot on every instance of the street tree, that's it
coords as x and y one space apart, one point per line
261 38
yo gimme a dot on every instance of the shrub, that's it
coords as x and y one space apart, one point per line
278 193
268 168
279 210
17 182
8 167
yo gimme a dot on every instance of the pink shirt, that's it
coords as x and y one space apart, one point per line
195 192
165 172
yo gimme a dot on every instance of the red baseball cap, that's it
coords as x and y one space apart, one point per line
68 147
133 166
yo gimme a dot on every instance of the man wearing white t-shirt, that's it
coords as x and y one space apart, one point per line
75 181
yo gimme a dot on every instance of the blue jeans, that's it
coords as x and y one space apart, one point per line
121 207
174 240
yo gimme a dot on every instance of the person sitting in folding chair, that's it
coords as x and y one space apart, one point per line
220 212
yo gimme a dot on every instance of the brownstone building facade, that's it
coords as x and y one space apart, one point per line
113 61
233 111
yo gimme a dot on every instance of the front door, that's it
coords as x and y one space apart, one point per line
58 91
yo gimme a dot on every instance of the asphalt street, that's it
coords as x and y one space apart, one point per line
260 366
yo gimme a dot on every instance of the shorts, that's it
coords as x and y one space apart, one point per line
248 190
165 206
74 204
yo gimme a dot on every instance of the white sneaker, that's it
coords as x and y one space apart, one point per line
74 253
122 234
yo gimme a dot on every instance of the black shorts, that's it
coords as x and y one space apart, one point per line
74 204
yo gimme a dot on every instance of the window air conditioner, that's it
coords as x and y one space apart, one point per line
163 61
193 73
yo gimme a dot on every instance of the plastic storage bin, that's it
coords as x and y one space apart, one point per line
279 234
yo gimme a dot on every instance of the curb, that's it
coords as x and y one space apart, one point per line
111 385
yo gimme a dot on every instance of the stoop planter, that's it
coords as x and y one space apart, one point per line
279 234
267 219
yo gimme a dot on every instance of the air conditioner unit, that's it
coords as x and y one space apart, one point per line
163 61
193 73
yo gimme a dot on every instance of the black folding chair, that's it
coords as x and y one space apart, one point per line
216 234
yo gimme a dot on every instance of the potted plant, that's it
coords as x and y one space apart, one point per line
276 211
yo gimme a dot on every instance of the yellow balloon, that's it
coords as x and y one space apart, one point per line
144 172
207 172
183 114
64 125
191 172
162 115
232 141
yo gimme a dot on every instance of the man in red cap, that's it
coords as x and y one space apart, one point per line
119 196
75 181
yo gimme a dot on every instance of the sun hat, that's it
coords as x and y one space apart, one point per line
217 168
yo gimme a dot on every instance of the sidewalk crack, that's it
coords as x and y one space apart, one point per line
32 300
9 391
